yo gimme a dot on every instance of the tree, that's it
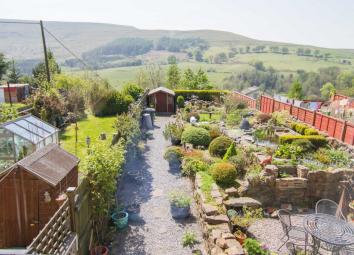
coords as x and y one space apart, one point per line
172 60
296 90
300 51
199 56
248 48
220 58
173 76
155 74
40 73
307 52
132 89
14 74
3 65
328 90
188 79
285 50
259 66
142 79
202 80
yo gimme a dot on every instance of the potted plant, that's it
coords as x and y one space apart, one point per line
179 205
99 250
240 236
120 219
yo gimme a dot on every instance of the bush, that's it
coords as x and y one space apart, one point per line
180 102
299 127
219 146
173 154
223 173
332 157
316 140
289 151
263 117
231 151
253 247
196 136
190 166
179 199
305 144
206 95
240 160
187 116
311 131
127 128
214 132
132 89
173 131
113 103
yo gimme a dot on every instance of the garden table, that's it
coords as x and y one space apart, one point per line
333 232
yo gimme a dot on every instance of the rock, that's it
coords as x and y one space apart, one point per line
235 250
215 194
302 171
227 236
217 251
221 242
218 219
231 242
241 202
209 209
218 200
271 170
231 191
286 207
215 234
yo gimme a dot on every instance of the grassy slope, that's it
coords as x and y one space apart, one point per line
91 126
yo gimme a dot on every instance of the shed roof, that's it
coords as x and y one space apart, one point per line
50 163
30 128
163 89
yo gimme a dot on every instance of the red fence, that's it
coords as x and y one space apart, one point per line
339 129
251 102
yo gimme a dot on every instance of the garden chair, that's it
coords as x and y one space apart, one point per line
291 232
330 207
296 249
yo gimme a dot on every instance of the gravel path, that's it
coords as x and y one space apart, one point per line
147 180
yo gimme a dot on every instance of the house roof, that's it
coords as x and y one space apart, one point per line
163 89
30 128
50 163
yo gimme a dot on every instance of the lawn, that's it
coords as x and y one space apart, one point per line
91 126
206 117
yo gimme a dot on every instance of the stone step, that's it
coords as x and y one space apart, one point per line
240 202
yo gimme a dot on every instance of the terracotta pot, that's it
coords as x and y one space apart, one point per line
99 250
241 238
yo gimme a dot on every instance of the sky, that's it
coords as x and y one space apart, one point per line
325 23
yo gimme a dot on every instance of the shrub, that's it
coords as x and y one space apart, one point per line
299 127
173 131
132 89
289 151
311 131
263 117
206 95
187 116
196 136
231 151
332 157
113 103
180 102
179 199
190 166
173 154
192 153
279 118
240 160
219 146
305 144
223 173
253 247
127 128
214 132
189 239
316 140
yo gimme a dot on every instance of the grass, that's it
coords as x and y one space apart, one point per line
206 187
91 126
205 117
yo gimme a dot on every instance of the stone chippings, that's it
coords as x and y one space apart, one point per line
216 230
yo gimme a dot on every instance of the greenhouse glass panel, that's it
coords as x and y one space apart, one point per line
20 131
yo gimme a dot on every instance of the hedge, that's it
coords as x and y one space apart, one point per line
206 95
316 140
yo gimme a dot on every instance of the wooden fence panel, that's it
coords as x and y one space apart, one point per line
251 102
349 134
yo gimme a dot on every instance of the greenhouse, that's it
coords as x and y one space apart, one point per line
23 136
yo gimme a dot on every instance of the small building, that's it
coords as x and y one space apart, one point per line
17 93
28 193
162 99
24 135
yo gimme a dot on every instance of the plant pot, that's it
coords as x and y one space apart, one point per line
133 211
241 237
99 250
120 219
180 212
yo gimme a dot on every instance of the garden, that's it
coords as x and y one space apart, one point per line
245 165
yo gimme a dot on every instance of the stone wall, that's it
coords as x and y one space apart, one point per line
306 189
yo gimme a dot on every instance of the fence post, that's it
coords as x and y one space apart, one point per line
314 118
273 104
291 109
344 130
70 192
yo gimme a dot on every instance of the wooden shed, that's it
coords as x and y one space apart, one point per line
163 100
28 193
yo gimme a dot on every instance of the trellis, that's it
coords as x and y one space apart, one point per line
56 237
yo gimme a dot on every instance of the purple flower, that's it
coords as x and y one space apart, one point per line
264 247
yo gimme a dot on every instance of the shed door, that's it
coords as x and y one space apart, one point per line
19 212
161 102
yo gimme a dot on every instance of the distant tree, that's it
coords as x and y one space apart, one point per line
202 80
14 74
274 49
344 79
142 79
241 50
231 54
248 49
155 74
197 80
317 53
284 50
40 73
3 65
172 60
300 51
296 90
307 52
173 76
220 58
132 89
328 90
190 54
327 56
259 66
198 56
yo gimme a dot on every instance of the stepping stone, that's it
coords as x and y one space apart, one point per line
231 191
209 209
213 220
241 202
235 250
232 243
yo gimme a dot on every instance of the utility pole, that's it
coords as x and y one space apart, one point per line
45 52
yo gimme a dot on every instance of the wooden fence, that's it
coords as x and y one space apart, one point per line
337 128
251 102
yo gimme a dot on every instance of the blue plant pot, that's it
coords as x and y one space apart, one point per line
120 219
180 212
